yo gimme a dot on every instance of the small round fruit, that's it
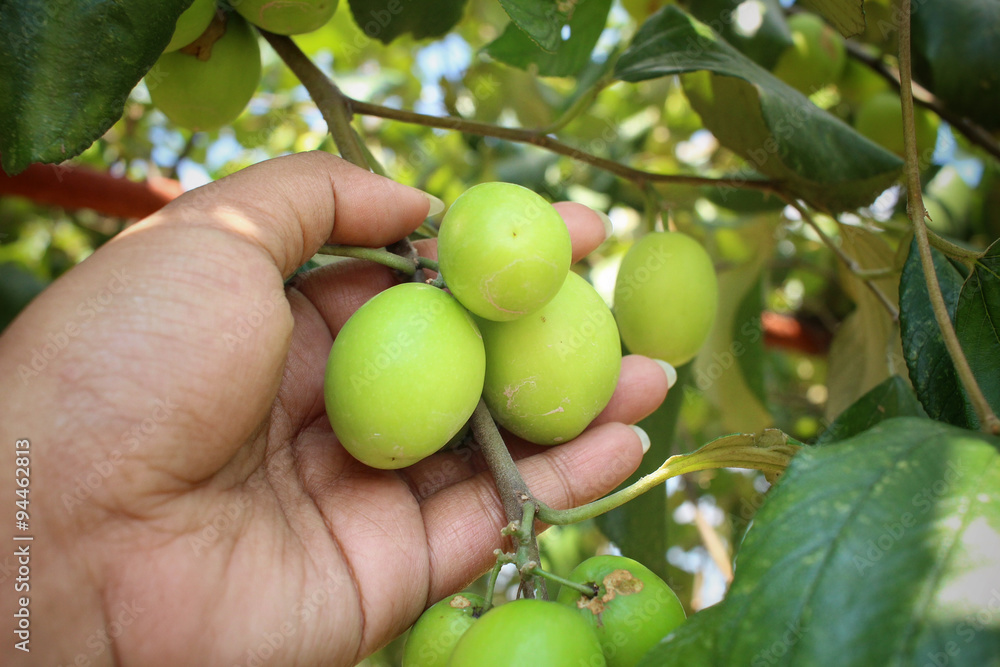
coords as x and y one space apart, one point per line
207 94
632 610
191 23
286 17
404 375
880 118
550 373
529 632
816 56
434 636
504 251
666 296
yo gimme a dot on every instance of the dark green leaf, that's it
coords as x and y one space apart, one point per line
385 21
955 54
515 48
639 527
67 67
748 339
977 323
763 43
771 125
847 16
541 20
892 398
743 200
879 550
931 371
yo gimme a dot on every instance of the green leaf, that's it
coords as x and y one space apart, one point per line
67 67
763 43
892 398
977 324
748 337
514 47
742 200
931 370
541 20
878 550
18 287
762 119
865 348
847 16
385 21
639 528
955 55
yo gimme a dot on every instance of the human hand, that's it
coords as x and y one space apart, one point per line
189 502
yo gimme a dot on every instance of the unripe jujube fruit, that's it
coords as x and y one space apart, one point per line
207 94
433 637
191 23
880 118
404 375
550 373
529 632
666 296
632 610
286 17
816 56
503 251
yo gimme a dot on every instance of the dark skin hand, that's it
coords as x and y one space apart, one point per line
189 502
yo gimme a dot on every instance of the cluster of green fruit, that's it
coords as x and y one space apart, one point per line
627 611
211 67
518 328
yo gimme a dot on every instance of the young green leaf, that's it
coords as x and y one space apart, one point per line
977 324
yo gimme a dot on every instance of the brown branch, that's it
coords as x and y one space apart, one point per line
972 130
538 138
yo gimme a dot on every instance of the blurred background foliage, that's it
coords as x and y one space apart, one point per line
797 339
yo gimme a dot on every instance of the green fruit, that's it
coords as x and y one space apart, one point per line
434 636
666 296
529 633
880 118
632 610
816 56
404 375
191 23
550 373
504 251
286 17
207 94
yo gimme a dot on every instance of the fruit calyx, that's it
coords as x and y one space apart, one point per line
201 48
619 582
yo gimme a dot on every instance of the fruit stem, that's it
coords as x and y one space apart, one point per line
379 255
491 583
917 213
532 567
514 493
770 452
428 263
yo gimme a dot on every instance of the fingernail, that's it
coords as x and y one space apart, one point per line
609 227
669 371
643 437
436 204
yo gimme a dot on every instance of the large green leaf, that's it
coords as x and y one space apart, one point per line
892 398
541 20
421 18
866 348
879 550
770 124
67 67
931 371
516 48
847 16
955 54
977 323
763 43
639 527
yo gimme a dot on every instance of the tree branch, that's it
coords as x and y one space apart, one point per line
915 210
